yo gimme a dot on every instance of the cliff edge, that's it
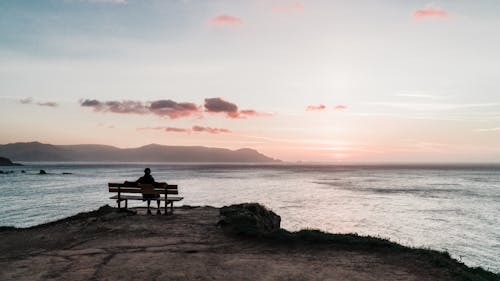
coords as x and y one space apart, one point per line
190 245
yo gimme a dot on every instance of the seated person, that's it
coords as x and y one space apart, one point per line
148 179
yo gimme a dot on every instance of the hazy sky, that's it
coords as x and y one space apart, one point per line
385 80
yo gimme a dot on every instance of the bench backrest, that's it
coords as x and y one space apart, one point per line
132 187
148 189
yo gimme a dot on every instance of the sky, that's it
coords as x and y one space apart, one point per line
324 81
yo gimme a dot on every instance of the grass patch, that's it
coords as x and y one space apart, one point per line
457 270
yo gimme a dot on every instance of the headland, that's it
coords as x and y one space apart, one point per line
193 244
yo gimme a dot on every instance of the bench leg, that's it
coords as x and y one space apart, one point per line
119 203
172 207
126 204
166 204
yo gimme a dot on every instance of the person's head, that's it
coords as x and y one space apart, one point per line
147 171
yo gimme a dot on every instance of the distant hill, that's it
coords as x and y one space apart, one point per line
6 162
36 151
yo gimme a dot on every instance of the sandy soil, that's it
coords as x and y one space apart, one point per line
184 246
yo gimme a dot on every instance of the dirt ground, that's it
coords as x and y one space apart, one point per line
184 246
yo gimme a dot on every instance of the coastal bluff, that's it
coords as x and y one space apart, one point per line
197 243
7 162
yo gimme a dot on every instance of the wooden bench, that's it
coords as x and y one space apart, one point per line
125 189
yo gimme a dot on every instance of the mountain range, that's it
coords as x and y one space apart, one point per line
36 151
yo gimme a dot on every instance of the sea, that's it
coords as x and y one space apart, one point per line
453 208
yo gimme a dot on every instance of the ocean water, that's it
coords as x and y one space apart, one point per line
452 208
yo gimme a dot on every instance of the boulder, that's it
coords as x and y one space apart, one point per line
251 219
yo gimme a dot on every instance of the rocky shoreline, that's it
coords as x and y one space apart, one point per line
196 243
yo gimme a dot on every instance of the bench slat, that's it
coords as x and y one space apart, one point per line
135 197
139 190
133 184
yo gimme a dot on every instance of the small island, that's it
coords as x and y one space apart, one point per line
239 242
7 162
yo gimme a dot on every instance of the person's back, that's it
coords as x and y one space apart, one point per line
148 179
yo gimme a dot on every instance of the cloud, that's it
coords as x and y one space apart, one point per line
195 128
177 130
173 109
26 101
225 20
126 107
123 107
289 8
169 108
210 130
430 12
315 107
340 107
31 101
218 105
90 103
48 103
162 108
251 112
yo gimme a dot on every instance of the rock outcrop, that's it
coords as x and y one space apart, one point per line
251 219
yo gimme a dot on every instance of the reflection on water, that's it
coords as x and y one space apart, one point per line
446 208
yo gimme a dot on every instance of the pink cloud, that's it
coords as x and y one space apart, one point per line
251 112
176 130
210 130
195 128
168 108
430 13
219 105
225 20
340 107
164 108
173 109
289 8
123 107
315 107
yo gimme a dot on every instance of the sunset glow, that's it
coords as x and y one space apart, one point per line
321 81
